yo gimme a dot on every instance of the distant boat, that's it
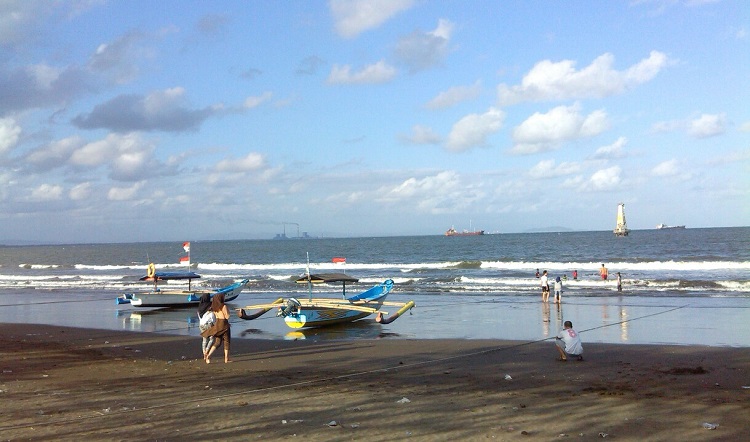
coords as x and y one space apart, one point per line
454 232
664 226
621 229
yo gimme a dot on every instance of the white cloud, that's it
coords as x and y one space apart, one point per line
549 80
9 133
352 17
252 161
55 154
124 193
745 127
423 50
163 110
119 58
435 194
614 150
604 179
543 132
251 102
454 96
666 169
46 192
422 135
707 125
80 192
473 130
379 72
128 157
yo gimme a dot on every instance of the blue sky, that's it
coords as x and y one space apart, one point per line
179 120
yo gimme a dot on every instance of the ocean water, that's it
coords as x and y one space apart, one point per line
465 287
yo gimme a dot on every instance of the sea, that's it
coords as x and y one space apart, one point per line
680 286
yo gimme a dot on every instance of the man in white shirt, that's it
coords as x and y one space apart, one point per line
569 343
545 287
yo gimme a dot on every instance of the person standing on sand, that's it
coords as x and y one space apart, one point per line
603 273
545 287
619 282
204 306
558 290
220 331
568 343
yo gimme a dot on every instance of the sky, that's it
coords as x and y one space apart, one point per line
128 121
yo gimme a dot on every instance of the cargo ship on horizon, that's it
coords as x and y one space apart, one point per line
453 232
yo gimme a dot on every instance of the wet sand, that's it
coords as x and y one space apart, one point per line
80 384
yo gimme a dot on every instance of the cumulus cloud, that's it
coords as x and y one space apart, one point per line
454 96
614 150
423 50
422 135
380 72
9 133
352 17
46 192
708 125
673 170
435 194
473 130
549 80
128 157
159 111
54 154
543 132
124 193
40 85
252 161
604 179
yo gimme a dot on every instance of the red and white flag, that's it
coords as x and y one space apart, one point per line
186 246
185 260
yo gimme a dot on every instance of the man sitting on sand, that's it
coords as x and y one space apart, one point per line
569 343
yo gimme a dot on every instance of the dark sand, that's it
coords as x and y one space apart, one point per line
80 384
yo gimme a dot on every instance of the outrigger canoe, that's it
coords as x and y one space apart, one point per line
318 312
177 298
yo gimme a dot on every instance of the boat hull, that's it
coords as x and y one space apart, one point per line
319 317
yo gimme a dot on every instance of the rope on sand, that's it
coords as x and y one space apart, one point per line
318 380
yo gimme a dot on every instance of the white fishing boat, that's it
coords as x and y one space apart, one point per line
158 297
621 229
177 297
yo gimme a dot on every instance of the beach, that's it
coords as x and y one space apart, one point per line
62 383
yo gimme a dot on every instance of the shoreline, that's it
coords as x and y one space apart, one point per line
72 383
628 320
